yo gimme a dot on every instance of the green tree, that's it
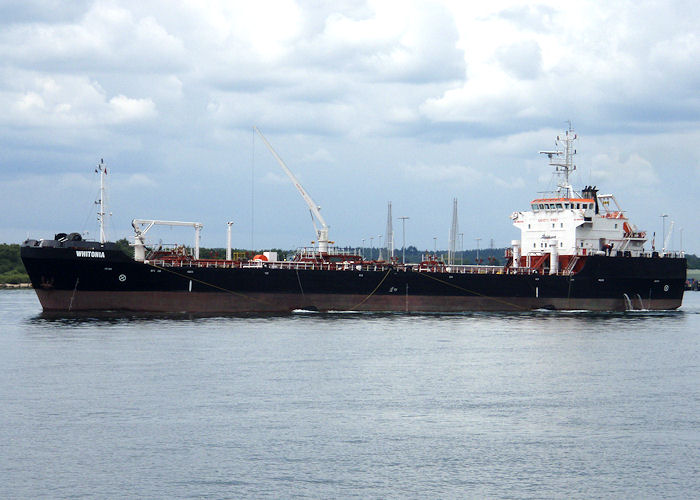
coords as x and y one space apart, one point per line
11 267
124 246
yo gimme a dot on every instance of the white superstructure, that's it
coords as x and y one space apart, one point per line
568 224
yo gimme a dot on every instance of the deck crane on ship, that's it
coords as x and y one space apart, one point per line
322 233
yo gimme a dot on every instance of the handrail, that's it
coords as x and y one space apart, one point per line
371 266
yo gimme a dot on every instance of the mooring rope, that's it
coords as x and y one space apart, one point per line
75 288
303 297
217 287
373 291
473 292
426 275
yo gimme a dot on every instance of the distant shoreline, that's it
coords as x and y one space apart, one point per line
11 286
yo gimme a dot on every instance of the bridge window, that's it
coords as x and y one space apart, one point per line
578 205
541 206
534 206
559 206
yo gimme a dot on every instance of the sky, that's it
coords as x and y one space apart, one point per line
367 102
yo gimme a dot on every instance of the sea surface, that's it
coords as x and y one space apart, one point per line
480 405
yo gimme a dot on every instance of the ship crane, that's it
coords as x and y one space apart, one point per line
321 234
141 227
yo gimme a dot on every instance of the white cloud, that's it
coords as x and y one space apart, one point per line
522 60
321 155
537 18
68 101
349 92
138 180
274 178
614 168
127 109
61 183
265 30
106 37
606 65
462 176
411 42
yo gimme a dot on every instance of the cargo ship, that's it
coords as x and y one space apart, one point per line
577 251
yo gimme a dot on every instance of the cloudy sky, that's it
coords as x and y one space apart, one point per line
367 102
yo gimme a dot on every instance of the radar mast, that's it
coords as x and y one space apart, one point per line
562 159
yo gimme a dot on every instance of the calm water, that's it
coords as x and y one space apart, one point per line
350 405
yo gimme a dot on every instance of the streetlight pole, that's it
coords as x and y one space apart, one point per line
461 249
371 248
435 246
663 232
363 248
477 250
379 244
403 245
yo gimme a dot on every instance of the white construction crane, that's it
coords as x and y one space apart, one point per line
321 234
140 236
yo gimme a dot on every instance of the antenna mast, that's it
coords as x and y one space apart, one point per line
102 170
562 159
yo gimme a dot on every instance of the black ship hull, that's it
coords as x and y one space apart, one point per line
89 276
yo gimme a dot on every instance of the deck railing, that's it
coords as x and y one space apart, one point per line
341 266
372 266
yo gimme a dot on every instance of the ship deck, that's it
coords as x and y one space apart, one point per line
373 266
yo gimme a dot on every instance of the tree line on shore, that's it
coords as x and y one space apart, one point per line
11 267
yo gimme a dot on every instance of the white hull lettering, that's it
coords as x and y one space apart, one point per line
90 253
